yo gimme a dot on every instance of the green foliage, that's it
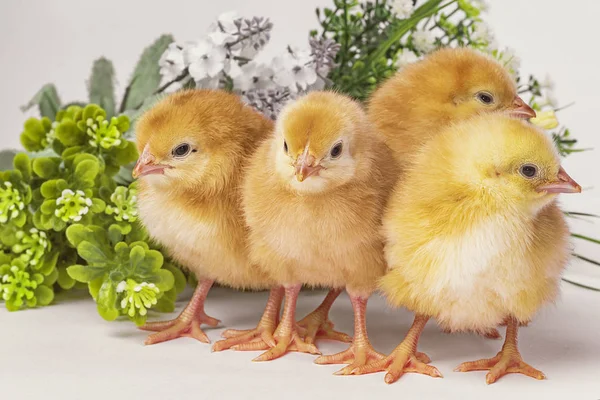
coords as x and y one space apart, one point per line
146 77
102 85
46 100
124 277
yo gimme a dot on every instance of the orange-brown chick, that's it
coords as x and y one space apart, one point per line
194 146
477 239
313 199
447 86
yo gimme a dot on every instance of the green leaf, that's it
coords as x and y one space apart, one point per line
102 85
64 280
146 76
127 154
98 206
106 301
92 253
22 163
84 273
87 170
46 167
6 159
44 295
46 100
180 280
69 134
163 279
51 278
94 287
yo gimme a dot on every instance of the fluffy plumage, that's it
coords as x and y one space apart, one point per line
449 85
191 203
475 237
314 211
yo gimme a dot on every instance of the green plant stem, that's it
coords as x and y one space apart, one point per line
581 285
582 237
181 77
587 259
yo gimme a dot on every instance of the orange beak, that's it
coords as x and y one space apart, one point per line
520 109
146 165
563 184
305 167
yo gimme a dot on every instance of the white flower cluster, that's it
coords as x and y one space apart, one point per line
226 55
403 8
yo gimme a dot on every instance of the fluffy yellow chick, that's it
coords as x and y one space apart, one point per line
449 85
475 238
313 199
194 146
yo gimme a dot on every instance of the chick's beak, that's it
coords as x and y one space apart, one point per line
563 184
305 167
147 165
520 109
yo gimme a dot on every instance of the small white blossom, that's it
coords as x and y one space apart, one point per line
171 62
482 5
295 70
252 76
509 59
403 8
482 33
227 21
405 57
205 59
423 40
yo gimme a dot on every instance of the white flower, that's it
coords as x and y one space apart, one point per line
227 21
209 83
482 33
509 59
482 5
548 83
423 40
403 8
405 57
205 59
252 76
171 62
294 70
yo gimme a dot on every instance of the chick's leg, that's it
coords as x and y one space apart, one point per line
286 335
404 358
507 361
360 352
262 334
317 324
187 324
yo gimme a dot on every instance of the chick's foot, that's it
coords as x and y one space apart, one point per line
187 324
360 352
404 358
317 325
507 361
259 338
286 336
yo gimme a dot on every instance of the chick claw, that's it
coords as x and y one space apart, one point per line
356 356
260 338
179 327
398 363
505 362
314 327
286 344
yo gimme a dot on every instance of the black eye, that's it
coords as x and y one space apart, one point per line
285 148
528 170
336 150
485 97
182 150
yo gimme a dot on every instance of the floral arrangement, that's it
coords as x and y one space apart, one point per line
68 205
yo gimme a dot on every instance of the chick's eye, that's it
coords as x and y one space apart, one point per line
336 150
485 98
182 150
528 170
285 148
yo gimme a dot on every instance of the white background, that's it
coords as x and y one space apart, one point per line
56 41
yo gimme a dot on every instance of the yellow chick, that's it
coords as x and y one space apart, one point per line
313 199
194 146
475 238
449 85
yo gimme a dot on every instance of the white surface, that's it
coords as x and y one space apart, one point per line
67 351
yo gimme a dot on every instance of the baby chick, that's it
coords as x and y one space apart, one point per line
194 146
449 85
475 238
313 198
